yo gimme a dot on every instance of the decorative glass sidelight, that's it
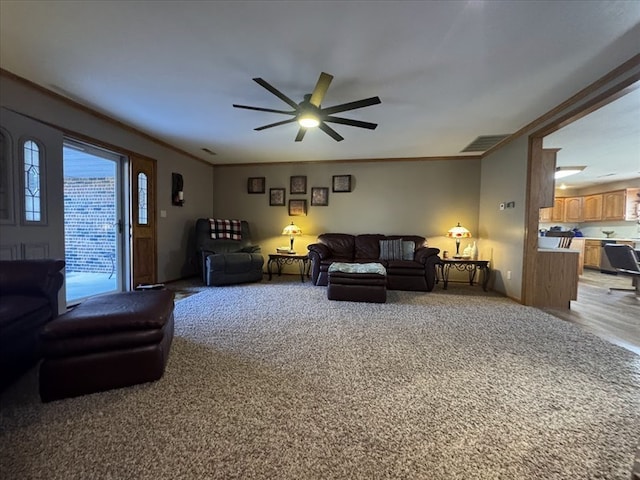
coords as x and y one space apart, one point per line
32 189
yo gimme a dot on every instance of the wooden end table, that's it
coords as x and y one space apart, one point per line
464 264
282 259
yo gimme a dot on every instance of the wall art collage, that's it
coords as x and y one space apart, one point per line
298 186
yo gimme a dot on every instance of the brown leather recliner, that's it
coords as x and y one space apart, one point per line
28 300
415 270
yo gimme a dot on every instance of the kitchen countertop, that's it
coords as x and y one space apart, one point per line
615 239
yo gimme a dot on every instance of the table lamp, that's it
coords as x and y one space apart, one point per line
458 232
291 230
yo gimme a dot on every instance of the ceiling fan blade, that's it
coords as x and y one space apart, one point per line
260 109
351 105
300 134
320 89
277 124
330 131
353 123
276 92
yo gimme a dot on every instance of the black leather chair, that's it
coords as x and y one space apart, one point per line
226 261
624 259
565 237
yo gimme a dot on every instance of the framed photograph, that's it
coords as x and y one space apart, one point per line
297 208
341 183
276 197
255 185
319 196
298 184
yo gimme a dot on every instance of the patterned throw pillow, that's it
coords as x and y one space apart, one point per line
391 249
407 249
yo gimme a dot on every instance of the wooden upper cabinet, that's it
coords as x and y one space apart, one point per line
573 209
545 215
557 215
592 208
614 205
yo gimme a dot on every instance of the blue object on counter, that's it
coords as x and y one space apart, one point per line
577 233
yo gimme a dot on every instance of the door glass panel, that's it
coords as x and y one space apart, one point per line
91 220
31 157
143 203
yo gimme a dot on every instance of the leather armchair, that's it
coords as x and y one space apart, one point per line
28 300
226 262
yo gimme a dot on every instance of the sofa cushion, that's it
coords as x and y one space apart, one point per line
408 248
391 249
340 244
16 307
368 246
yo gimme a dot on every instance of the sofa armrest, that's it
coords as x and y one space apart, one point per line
322 251
41 278
423 254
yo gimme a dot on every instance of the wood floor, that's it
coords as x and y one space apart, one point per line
613 316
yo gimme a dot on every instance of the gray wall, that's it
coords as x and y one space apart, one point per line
425 197
174 230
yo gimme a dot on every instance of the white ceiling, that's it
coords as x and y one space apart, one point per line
446 71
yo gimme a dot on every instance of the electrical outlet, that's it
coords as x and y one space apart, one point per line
508 274
501 205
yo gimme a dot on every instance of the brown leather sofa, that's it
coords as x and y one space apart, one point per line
415 270
28 300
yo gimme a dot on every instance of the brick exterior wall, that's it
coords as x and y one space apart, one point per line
89 222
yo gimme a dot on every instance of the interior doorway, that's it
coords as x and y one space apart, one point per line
93 221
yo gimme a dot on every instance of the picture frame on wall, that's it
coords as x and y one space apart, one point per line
255 184
319 196
277 197
297 208
341 183
298 184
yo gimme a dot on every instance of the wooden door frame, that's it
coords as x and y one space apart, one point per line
536 172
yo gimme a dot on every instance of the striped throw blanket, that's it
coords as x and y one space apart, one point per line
227 229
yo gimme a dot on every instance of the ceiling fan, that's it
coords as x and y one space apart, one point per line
309 113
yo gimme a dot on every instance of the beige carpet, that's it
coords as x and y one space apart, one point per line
273 381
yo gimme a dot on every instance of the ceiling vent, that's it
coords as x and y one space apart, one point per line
206 150
484 143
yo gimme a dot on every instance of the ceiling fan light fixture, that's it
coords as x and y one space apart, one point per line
562 172
308 120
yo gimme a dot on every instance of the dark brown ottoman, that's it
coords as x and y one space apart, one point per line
109 341
357 282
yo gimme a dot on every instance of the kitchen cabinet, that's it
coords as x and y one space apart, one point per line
577 244
545 215
592 208
557 214
592 250
553 214
614 205
573 209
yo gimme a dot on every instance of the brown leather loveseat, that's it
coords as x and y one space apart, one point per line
410 263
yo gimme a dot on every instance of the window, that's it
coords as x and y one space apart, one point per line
143 205
32 189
